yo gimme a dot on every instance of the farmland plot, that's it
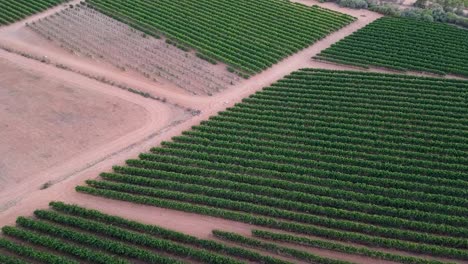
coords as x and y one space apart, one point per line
45 121
373 159
88 32
250 36
72 234
14 10
404 44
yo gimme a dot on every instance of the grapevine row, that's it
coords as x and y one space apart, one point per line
315 154
404 44
265 31
14 10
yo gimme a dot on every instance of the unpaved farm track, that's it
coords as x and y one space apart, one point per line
193 224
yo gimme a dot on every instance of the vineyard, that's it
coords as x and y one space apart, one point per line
14 10
73 234
250 36
322 166
87 32
406 45
372 159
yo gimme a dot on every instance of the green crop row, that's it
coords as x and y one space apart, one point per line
11 260
311 209
265 31
316 243
294 182
163 233
274 223
245 203
135 238
317 195
404 44
298 254
96 242
29 252
14 10
95 237
369 158
58 245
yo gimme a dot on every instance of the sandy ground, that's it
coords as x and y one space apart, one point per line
56 123
153 132
45 121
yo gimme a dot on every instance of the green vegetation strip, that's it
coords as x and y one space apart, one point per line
250 207
404 44
250 242
316 243
273 223
135 238
250 36
163 233
370 158
14 10
28 252
61 246
94 241
11 260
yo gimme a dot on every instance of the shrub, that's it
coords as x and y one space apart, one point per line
356 4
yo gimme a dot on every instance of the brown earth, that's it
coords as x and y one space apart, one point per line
45 121
55 123
153 133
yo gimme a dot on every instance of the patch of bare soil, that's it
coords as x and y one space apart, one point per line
55 123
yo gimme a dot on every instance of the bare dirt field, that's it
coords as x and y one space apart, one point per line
55 123
45 121
162 122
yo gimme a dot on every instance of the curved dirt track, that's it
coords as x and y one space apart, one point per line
146 137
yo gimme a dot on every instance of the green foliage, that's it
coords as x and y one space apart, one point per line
298 254
32 253
385 9
92 236
369 158
286 204
14 10
406 44
304 241
207 58
93 241
274 223
355 4
58 245
458 20
162 233
11 260
135 238
249 36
